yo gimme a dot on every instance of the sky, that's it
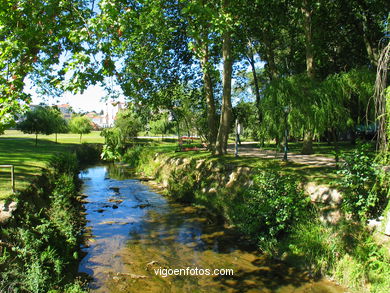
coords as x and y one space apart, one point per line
90 100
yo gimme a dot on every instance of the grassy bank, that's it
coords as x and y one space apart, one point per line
19 149
326 175
40 244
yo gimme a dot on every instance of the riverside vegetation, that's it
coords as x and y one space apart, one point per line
41 242
274 212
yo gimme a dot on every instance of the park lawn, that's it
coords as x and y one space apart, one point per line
19 149
93 137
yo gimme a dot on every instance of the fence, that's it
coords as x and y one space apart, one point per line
12 175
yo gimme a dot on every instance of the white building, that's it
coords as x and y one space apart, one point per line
110 112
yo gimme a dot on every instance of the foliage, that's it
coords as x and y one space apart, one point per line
42 120
366 195
88 153
268 208
246 113
64 163
58 123
128 123
313 246
132 156
161 126
114 144
80 125
127 126
337 103
345 251
183 183
35 34
45 234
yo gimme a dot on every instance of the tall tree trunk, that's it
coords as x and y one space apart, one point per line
307 12
226 113
270 56
211 112
371 49
251 59
36 139
307 147
382 111
212 119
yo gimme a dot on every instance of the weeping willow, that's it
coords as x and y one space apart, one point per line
380 98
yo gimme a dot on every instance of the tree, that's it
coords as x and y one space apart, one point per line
80 125
37 121
33 36
382 103
128 124
58 123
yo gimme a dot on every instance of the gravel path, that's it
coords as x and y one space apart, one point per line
249 149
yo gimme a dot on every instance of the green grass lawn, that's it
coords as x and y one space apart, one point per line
93 137
19 149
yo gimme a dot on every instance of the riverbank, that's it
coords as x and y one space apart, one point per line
40 242
290 230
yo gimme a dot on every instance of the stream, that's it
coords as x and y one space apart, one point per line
137 238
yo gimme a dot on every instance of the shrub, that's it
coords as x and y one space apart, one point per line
182 184
313 246
269 207
365 194
45 235
64 163
132 156
88 153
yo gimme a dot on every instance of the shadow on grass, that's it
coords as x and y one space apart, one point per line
27 158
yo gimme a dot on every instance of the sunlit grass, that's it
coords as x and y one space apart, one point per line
93 137
19 149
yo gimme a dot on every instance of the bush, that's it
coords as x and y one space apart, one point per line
64 163
269 207
182 184
132 156
365 193
45 235
114 144
88 153
313 246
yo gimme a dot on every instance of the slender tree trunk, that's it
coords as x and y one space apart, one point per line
36 139
371 49
80 136
56 138
251 60
381 107
307 147
307 14
212 122
270 56
209 91
226 114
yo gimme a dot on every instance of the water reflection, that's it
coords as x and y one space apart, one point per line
145 233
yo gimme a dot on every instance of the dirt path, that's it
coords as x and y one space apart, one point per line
249 149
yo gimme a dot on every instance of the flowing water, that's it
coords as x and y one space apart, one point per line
135 232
